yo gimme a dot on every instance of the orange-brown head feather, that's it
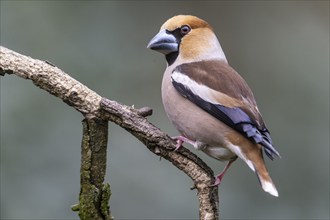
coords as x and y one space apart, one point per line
200 43
180 20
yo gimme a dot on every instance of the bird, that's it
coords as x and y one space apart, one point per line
208 102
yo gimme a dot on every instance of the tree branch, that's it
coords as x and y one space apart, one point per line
97 109
93 165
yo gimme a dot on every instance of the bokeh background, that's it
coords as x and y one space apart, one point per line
281 48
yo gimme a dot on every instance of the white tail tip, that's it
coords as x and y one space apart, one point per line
270 188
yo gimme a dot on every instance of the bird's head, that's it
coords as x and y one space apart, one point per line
187 38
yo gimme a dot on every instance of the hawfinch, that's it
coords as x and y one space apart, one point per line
208 102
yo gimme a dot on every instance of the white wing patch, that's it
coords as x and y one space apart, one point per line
206 93
201 90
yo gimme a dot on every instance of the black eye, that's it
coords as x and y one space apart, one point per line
185 29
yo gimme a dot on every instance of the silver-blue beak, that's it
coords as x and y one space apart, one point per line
164 43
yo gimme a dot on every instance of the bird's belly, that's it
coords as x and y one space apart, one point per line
218 152
195 124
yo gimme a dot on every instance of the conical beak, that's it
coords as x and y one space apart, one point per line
164 43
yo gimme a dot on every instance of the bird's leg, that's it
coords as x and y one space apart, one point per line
219 177
180 140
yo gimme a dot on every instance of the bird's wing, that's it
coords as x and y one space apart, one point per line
219 90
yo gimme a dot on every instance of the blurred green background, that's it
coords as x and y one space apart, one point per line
281 48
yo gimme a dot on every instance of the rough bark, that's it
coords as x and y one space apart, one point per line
97 112
92 204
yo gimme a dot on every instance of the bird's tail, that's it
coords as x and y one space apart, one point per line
265 181
252 156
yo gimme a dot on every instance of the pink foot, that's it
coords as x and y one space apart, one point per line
219 177
178 144
180 140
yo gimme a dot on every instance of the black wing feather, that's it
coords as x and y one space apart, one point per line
235 118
